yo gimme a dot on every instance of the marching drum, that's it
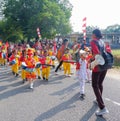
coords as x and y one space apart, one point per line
30 70
12 62
38 64
23 65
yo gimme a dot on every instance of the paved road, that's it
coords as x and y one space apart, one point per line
55 100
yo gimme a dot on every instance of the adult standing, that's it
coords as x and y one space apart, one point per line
98 74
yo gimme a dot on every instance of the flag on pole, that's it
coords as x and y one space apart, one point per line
84 19
84 27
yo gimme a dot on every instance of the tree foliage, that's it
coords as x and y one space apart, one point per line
25 16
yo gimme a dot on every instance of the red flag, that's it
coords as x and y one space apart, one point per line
84 31
84 25
84 19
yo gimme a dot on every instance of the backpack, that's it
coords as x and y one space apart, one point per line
108 57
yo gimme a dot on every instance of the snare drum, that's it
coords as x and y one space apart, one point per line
30 70
23 65
38 65
12 62
53 58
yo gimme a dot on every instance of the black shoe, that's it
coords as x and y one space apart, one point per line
46 79
13 73
43 78
82 96
16 75
39 77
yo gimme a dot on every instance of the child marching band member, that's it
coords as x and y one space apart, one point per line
66 65
36 58
22 59
45 68
30 70
82 74
14 62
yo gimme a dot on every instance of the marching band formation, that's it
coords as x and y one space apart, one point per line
37 61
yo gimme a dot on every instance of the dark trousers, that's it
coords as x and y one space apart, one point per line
97 84
60 64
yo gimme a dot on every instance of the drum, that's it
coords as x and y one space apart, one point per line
12 62
38 64
30 70
23 65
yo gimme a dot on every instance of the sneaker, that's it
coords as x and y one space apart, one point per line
31 86
102 111
69 75
56 73
82 96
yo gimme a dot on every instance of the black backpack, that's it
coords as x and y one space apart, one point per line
108 57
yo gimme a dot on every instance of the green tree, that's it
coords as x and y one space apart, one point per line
51 16
8 32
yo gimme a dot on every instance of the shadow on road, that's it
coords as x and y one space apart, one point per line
57 109
66 90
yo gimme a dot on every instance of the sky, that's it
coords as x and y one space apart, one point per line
100 13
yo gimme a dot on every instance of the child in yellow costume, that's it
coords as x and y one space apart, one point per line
45 69
14 62
30 70
67 65
36 57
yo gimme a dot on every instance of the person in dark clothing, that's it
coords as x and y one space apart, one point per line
98 75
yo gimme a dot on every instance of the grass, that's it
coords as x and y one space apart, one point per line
116 54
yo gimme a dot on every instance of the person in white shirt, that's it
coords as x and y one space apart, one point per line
82 73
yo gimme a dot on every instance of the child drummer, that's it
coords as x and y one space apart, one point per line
30 70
